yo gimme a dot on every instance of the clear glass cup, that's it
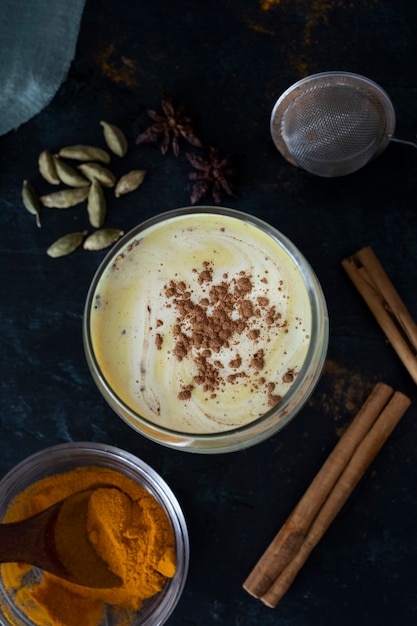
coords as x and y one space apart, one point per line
272 420
64 457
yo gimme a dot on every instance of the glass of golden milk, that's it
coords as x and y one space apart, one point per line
205 329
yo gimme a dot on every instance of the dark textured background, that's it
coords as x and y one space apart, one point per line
229 61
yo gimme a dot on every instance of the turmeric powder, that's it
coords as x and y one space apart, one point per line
127 527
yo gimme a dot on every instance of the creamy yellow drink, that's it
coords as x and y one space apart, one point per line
202 323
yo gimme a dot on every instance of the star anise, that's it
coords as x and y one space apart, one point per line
170 127
214 174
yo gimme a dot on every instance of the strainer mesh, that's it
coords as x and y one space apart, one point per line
334 129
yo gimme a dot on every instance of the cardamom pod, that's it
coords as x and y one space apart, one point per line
94 170
115 139
129 182
47 168
96 205
68 175
83 152
65 198
102 238
31 201
66 244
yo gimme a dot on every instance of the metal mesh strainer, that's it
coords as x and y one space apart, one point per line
333 123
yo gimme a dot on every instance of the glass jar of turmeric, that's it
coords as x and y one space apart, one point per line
136 519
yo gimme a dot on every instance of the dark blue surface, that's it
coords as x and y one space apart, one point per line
229 61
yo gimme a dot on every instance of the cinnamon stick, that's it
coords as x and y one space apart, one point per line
276 569
370 279
354 471
293 533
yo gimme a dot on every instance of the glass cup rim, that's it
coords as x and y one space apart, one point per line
316 351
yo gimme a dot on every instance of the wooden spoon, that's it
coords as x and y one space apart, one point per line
33 541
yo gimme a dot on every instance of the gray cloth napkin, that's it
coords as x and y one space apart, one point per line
37 44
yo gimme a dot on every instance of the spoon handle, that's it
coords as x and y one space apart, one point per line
24 541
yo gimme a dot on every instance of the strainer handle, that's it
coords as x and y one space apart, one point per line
404 141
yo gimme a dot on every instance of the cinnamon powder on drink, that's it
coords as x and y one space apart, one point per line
224 317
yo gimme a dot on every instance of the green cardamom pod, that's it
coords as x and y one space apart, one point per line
65 198
82 152
129 182
66 244
115 139
102 238
94 170
96 205
31 201
68 175
47 168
